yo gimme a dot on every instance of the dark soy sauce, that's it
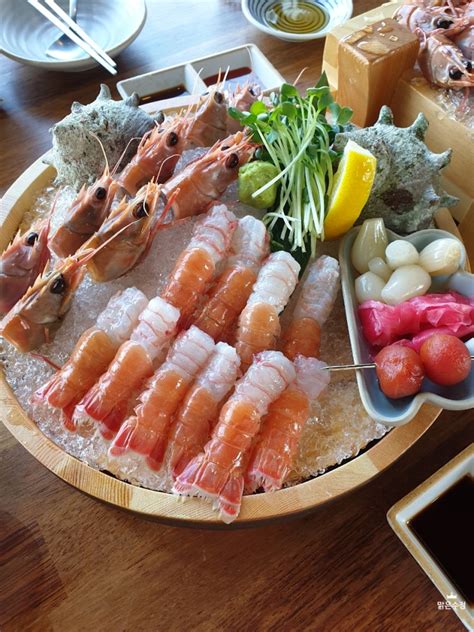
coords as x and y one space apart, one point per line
446 529
167 93
232 76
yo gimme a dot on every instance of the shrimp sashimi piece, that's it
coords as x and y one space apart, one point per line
157 155
196 265
217 472
107 400
259 323
203 181
312 309
229 295
94 350
199 410
276 447
21 263
146 432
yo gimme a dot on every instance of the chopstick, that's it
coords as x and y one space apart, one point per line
355 367
72 35
80 31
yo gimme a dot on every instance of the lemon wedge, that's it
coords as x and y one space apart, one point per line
351 189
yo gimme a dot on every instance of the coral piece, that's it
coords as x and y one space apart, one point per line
406 190
76 154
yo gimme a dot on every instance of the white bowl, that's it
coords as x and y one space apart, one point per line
338 11
25 34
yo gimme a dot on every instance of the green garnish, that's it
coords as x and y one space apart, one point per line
296 137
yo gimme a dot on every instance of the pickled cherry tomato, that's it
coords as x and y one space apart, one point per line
399 370
446 359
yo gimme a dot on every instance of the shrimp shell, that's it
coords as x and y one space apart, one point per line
217 472
199 410
146 432
277 445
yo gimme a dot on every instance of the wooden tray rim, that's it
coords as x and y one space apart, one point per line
257 508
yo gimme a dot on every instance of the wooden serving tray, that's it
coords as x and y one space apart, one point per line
256 509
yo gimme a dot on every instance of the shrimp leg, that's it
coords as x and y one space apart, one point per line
199 410
273 454
146 432
217 472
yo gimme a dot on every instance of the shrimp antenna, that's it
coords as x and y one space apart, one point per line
163 164
106 170
122 155
40 356
302 71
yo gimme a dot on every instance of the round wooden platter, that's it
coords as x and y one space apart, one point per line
257 508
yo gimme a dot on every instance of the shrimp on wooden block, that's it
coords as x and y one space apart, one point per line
228 296
273 455
33 319
259 323
157 155
86 214
93 353
199 410
303 335
217 473
145 433
125 237
106 403
203 181
196 265
22 262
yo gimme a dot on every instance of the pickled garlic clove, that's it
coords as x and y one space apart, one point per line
406 282
378 266
368 287
401 253
442 256
371 242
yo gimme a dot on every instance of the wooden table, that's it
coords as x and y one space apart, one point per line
70 563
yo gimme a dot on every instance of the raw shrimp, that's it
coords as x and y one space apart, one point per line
107 401
200 407
87 213
126 235
312 309
241 99
157 155
217 472
31 322
276 447
229 295
93 352
21 263
259 323
209 124
146 432
204 180
196 265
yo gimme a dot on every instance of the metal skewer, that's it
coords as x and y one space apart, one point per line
355 367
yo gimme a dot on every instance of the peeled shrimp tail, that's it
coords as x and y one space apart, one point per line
277 446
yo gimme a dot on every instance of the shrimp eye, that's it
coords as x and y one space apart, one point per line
218 97
140 211
172 139
232 161
224 147
455 73
100 193
58 285
252 91
443 23
160 118
468 66
31 239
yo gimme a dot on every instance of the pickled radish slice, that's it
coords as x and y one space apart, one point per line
406 282
399 370
378 266
401 253
442 256
370 242
368 287
446 359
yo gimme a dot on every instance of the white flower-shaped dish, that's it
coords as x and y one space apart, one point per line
395 412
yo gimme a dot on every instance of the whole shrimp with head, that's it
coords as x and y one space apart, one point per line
228 296
203 181
217 473
21 263
124 238
87 212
